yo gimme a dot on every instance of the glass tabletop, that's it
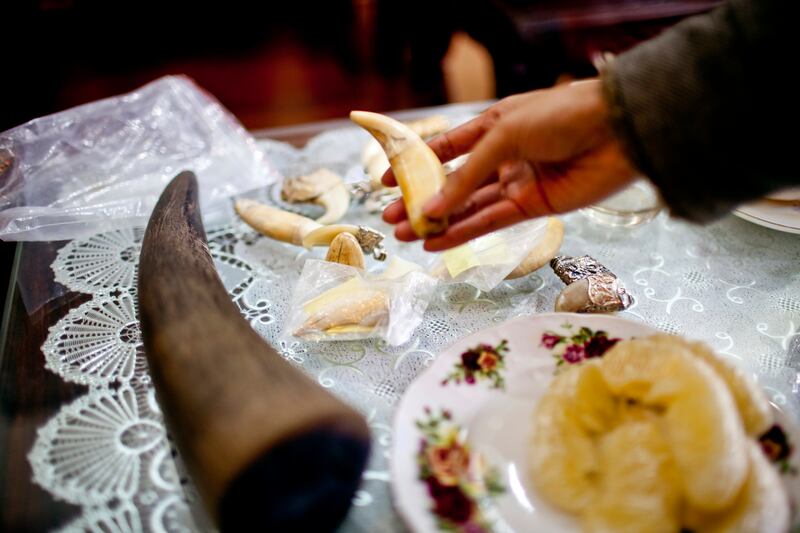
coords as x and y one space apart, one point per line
82 442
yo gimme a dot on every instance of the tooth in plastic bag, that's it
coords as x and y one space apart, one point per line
333 301
486 261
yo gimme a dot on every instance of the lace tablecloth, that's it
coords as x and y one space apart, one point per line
732 284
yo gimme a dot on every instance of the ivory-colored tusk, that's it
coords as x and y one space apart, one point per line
324 235
275 223
344 249
296 229
336 201
323 187
374 159
418 171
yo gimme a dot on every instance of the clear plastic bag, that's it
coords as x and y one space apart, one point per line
486 261
103 165
340 302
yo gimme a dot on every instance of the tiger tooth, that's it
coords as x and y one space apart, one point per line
323 187
344 249
374 159
324 235
352 303
275 223
370 240
418 171
336 201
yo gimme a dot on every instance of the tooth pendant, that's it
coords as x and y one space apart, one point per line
418 171
323 187
345 250
302 231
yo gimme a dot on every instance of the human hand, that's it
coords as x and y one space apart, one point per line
533 154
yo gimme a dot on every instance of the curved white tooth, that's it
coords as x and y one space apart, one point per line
275 223
374 160
345 250
543 252
375 163
323 187
323 235
308 187
418 171
336 201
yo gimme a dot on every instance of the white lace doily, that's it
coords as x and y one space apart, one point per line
733 284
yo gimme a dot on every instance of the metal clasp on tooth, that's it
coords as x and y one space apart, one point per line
371 242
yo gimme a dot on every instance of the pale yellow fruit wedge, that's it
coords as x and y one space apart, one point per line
563 462
761 506
752 403
594 406
637 486
701 422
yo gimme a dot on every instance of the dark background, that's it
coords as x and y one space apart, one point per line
277 63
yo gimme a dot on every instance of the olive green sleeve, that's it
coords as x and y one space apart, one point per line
707 110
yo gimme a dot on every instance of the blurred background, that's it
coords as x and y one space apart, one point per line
285 62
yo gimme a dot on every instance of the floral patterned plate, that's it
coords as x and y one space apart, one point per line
459 455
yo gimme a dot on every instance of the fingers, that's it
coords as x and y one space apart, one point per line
498 215
404 233
395 212
487 155
481 198
453 143
388 178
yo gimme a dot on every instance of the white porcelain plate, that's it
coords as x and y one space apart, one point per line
771 215
461 431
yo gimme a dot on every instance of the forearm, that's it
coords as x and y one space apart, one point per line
703 111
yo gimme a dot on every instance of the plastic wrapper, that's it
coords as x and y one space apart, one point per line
103 165
486 261
340 302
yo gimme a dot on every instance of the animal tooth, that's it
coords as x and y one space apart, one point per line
275 223
345 250
375 163
374 159
543 252
371 241
418 171
598 293
324 235
336 201
296 229
323 187
353 303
